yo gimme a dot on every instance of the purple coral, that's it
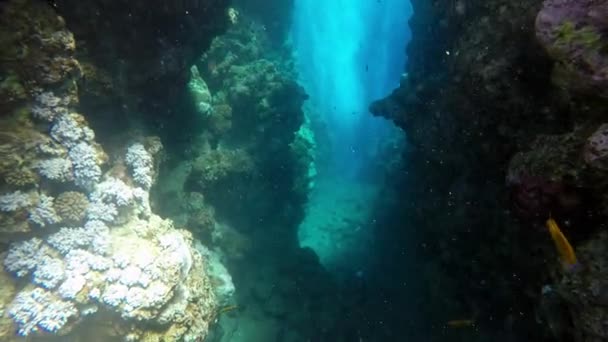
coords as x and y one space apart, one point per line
596 149
538 197
572 33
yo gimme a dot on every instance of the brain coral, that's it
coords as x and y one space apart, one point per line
20 177
71 206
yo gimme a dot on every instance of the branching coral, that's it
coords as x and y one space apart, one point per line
113 197
140 162
69 129
15 201
44 213
68 239
37 310
23 256
47 106
57 169
85 165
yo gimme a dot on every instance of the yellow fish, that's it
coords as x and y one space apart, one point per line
564 248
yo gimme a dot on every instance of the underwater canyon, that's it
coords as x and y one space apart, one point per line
303 170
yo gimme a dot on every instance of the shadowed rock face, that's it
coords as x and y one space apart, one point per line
146 47
481 90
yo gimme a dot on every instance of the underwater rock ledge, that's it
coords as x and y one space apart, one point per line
145 47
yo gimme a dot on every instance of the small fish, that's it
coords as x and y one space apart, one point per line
228 308
461 323
564 248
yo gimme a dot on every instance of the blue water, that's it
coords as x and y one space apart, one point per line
345 63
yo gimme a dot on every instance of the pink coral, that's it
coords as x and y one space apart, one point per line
596 149
533 196
537 197
572 32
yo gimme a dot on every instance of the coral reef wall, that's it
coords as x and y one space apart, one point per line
244 157
84 256
241 180
503 105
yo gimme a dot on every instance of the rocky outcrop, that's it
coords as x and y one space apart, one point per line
493 127
139 50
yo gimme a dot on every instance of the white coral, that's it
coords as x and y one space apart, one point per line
141 165
57 169
49 273
66 130
44 212
100 211
113 190
94 236
115 294
47 106
86 169
15 201
23 256
37 309
71 286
